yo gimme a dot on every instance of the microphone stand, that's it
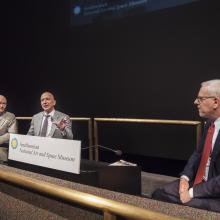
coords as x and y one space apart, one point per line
117 152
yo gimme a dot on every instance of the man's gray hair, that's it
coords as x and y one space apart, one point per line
213 87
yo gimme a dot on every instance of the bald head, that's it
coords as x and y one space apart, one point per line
3 103
47 101
47 94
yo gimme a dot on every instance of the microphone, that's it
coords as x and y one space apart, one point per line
117 152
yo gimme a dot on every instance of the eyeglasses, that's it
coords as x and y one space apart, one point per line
200 99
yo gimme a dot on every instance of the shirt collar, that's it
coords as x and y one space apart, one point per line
1 114
50 114
217 123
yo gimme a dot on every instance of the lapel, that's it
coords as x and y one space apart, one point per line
216 147
2 120
202 141
54 127
38 123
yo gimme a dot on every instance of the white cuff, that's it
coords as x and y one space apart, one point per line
191 193
185 177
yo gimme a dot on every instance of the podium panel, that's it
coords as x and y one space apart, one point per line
125 179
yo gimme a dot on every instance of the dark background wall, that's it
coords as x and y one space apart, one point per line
144 66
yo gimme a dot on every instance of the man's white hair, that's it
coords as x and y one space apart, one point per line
213 87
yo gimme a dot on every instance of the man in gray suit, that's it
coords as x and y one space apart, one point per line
8 122
8 125
50 122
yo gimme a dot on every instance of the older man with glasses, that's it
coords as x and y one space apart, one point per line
199 183
8 125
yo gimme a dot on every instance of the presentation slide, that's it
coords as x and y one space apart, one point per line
90 11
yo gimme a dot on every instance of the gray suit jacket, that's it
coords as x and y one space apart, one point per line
36 122
8 124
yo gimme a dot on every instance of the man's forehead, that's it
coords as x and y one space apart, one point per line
47 95
203 89
2 98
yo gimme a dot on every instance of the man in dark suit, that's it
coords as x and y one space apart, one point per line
199 183
50 122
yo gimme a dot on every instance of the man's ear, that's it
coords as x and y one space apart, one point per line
55 102
217 103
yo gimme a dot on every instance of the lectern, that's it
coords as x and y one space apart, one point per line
125 179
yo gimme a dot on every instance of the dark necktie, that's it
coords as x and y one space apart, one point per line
205 154
44 127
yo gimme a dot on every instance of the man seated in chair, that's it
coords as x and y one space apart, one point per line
50 122
8 124
199 183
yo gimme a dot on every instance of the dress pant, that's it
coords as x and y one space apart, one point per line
3 153
170 193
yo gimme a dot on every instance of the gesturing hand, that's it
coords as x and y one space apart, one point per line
61 124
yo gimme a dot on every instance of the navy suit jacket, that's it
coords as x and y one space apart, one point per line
211 188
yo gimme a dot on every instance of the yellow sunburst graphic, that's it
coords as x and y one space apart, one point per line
14 143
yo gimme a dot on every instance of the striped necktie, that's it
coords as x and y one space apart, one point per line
44 127
205 154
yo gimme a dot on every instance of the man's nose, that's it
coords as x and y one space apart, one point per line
196 102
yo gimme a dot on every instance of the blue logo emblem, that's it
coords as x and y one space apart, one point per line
77 10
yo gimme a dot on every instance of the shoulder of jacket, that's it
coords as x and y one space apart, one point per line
38 114
9 115
60 113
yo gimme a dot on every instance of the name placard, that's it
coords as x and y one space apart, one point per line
59 154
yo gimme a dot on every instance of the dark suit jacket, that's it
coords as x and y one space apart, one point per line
211 188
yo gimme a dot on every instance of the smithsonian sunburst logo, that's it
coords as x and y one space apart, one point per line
14 143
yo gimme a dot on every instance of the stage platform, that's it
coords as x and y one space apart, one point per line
19 203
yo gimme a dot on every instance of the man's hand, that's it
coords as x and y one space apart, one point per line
183 186
61 124
185 197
